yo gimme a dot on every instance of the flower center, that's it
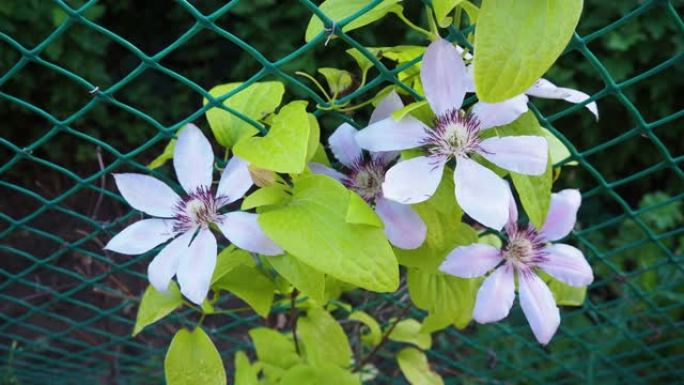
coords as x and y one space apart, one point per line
198 209
525 249
366 179
455 134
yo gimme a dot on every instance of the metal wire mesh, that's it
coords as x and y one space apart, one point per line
75 329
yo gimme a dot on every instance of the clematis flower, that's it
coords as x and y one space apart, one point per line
527 250
501 113
364 175
191 255
481 193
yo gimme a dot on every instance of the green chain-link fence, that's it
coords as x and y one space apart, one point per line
67 308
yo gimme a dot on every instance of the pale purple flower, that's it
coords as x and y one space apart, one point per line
364 175
527 250
191 255
481 193
502 113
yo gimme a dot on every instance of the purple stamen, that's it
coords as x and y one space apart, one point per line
197 209
525 249
365 178
454 134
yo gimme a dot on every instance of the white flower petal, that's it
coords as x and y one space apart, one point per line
193 159
392 135
523 154
567 264
470 83
562 214
444 78
495 296
471 261
196 266
539 307
235 181
499 114
147 194
543 88
318 168
385 157
413 180
403 226
344 146
386 107
164 266
512 223
141 236
482 194
243 230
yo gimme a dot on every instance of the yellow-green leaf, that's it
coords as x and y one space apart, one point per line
313 227
254 101
284 148
250 285
374 334
410 330
323 339
517 41
338 10
155 306
338 80
415 367
360 213
193 359
442 9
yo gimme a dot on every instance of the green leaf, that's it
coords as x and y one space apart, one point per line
193 359
359 212
567 295
245 373
309 281
323 339
228 259
442 9
534 191
338 10
250 285
374 335
323 374
363 62
338 80
265 196
255 101
400 113
472 10
535 194
276 351
409 330
446 296
284 148
155 306
517 41
558 151
442 216
490 239
314 137
314 229
334 288
320 156
415 367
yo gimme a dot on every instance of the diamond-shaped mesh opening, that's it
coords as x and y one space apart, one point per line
104 87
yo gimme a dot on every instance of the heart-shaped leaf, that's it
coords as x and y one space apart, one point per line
284 148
